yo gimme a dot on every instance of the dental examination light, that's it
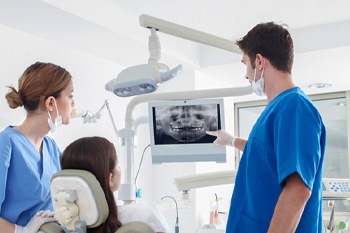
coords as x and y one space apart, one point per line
142 79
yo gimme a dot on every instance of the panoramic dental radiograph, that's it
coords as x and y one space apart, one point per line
185 124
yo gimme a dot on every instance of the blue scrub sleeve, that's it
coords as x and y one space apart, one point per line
297 140
5 158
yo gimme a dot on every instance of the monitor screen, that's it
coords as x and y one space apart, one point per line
178 130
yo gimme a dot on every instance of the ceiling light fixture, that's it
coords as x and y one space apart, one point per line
342 104
319 85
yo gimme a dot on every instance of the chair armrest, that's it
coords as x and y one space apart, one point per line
50 227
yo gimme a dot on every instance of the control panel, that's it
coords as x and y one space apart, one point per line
335 188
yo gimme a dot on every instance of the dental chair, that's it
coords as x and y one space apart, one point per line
79 203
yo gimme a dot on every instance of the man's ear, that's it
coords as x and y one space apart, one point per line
260 61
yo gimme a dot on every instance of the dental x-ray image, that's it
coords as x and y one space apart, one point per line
186 123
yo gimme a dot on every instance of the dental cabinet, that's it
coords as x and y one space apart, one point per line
334 109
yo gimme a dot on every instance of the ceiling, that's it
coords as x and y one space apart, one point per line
110 28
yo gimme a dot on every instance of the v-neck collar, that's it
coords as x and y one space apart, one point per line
42 157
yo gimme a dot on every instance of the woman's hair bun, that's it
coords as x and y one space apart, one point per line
14 98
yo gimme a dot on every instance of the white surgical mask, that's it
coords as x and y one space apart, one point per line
258 87
58 121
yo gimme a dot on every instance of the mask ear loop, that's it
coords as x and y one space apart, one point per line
56 107
48 112
255 74
57 114
262 72
52 125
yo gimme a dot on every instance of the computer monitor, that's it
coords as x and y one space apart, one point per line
177 130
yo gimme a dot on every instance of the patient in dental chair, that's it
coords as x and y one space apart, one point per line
98 156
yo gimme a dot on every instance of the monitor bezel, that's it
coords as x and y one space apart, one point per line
191 152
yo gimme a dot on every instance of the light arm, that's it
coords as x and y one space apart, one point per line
188 33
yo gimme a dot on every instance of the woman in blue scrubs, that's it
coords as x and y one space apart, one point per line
28 157
278 185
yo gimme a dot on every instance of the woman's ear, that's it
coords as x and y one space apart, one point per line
110 180
49 103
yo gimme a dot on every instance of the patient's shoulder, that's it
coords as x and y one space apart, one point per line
145 212
144 206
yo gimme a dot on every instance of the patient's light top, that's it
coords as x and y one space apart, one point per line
144 212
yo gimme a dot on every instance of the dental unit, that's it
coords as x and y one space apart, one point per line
127 190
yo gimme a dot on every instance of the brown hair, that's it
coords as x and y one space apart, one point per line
272 41
37 83
98 156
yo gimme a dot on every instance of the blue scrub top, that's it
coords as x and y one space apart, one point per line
25 176
288 137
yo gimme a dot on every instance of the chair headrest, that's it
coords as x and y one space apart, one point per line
91 201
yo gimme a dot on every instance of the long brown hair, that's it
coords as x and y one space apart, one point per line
98 156
38 82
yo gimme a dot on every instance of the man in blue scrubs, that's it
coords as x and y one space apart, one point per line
279 180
